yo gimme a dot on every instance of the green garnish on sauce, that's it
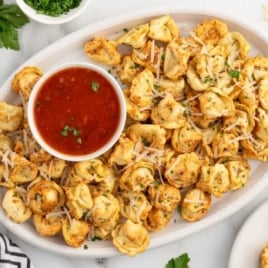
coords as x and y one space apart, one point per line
95 86
66 130
53 8
11 19
179 262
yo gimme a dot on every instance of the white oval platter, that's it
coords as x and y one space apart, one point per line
70 48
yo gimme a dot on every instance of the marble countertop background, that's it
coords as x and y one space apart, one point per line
209 248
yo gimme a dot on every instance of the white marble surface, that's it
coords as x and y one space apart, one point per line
209 248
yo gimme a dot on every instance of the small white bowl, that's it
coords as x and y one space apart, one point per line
34 15
83 157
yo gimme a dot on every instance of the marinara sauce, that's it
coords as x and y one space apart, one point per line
77 111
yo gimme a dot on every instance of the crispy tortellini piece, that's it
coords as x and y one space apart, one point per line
174 87
15 206
235 45
264 257
263 93
6 143
211 31
106 186
54 168
241 122
141 89
90 170
213 104
127 69
134 111
130 238
224 144
151 135
239 170
163 29
261 128
102 50
24 81
11 117
255 69
136 37
45 196
23 170
185 139
40 156
75 232
195 204
105 210
78 199
168 113
183 170
214 179
176 60
137 177
157 219
122 153
149 56
134 205
47 225
164 196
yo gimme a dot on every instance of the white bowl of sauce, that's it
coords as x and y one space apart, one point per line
76 111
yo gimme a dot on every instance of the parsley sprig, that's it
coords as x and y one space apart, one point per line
179 262
11 19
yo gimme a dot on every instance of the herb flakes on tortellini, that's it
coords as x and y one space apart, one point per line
197 111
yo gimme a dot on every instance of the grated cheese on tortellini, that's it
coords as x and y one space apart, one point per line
197 111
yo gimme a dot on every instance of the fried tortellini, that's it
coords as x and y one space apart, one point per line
11 117
195 204
102 50
130 238
45 196
264 257
47 226
14 205
75 232
24 81
137 177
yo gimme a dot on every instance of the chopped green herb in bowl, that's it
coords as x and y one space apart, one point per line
53 11
53 8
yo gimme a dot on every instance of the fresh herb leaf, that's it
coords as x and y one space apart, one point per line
179 262
95 86
95 238
11 18
234 73
145 141
53 8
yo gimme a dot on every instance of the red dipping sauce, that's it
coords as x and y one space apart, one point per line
76 111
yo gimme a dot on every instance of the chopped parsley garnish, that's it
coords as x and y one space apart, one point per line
231 72
234 73
53 8
95 238
95 86
69 130
145 141
179 262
